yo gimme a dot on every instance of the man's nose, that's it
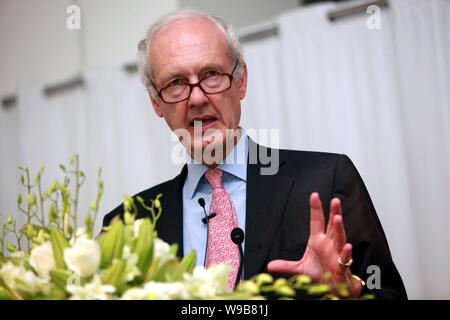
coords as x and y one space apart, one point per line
198 97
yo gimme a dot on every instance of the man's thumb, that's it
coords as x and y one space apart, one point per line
283 266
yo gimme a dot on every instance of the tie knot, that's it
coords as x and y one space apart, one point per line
214 177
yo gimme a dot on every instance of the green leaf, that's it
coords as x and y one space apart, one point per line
115 275
112 244
59 243
11 248
144 246
152 270
4 294
189 261
173 249
59 277
172 270
54 294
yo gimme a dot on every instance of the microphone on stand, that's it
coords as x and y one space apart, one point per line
237 236
205 220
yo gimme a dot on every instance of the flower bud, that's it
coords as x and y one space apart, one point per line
301 280
52 214
31 199
249 287
93 205
127 204
11 248
280 283
128 218
285 291
88 220
54 186
263 278
29 230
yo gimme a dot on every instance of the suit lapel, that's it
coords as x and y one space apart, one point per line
267 196
170 225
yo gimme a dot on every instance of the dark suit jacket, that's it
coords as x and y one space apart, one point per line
278 213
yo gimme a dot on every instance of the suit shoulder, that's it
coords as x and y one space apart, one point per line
321 163
152 192
312 156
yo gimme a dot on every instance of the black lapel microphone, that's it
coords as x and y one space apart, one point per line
237 236
205 220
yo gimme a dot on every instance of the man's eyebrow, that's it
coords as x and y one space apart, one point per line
172 75
180 75
219 66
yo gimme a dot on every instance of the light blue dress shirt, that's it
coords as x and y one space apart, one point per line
196 186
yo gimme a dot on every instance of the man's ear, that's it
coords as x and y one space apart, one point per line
242 83
156 105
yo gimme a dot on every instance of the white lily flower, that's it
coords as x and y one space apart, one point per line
41 259
208 283
94 290
162 250
21 279
83 257
165 290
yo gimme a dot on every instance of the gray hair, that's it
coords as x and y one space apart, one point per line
144 63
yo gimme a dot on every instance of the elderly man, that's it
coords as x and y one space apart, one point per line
192 66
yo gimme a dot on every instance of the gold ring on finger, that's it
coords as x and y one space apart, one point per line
345 265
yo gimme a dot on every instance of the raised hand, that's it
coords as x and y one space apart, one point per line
326 251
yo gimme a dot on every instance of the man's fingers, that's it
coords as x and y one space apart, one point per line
346 253
317 222
337 231
284 267
335 209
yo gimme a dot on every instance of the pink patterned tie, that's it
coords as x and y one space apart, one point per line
220 246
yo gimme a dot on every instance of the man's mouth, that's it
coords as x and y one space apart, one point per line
203 122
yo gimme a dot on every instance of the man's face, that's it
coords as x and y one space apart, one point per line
188 51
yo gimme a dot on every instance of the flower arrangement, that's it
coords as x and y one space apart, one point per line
51 257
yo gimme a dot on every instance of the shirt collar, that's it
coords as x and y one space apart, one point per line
235 163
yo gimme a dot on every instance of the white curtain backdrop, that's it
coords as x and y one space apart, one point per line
380 96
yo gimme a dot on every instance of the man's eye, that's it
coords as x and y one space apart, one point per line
211 74
176 82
